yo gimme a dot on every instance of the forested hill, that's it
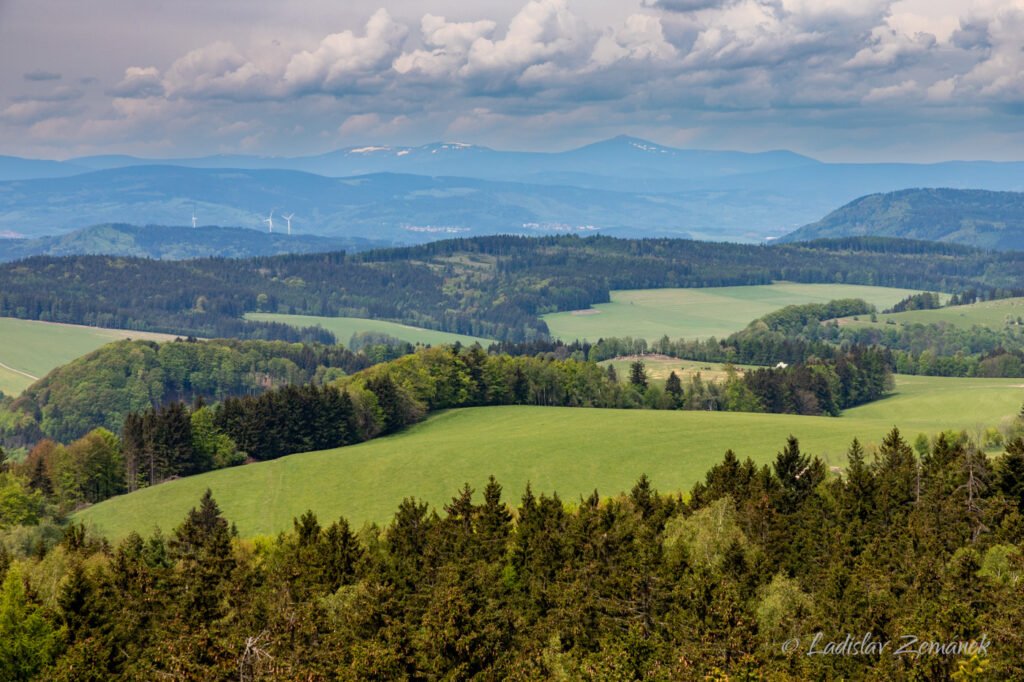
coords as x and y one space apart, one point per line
993 220
177 242
495 287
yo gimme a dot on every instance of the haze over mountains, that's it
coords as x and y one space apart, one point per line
623 187
176 243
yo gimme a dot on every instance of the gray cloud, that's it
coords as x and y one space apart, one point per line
40 75
704 68
138 83
688 5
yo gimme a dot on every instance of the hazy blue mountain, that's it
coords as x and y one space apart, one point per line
388 207
624 186
178 243
617 158
15 168
974 217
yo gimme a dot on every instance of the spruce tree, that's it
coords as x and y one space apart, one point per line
638 375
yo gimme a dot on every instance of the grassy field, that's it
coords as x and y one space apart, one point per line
700 313
568 450
658 367
992 314
344 327
30 349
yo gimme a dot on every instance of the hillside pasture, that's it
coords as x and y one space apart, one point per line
991 314
702 312
571 451
344 327
29 349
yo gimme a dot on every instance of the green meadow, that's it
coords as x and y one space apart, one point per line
566 450
344 327
702 312
991 314
30 349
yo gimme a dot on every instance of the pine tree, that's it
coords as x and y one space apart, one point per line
638 375
203 545
1010 473
495 521
674 387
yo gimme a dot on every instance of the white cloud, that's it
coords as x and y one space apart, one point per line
343 61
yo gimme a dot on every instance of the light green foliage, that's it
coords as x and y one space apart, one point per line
344 328
783 608
569 450
19 505
706 535
28 642
704 312
214 450
1002 563
35 348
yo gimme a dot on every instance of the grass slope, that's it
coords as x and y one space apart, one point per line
991 314
568 450
700 313
344 327
35 348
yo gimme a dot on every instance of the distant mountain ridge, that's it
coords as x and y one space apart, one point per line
177 243
981 218
624 186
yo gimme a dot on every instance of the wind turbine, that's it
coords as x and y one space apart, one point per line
269 220
193 217
289 219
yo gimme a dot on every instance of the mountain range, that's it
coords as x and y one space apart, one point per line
624 187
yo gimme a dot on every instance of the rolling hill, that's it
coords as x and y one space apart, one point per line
568 450
175 242
993 220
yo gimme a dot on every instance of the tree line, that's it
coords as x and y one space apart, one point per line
495 287
640 585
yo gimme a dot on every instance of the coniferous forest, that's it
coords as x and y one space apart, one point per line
745 577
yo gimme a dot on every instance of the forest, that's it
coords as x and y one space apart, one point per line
164 440
731 581
493 287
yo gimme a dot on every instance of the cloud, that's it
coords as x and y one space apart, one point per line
344 62
695 65
40 75
138 82
688 5
32 111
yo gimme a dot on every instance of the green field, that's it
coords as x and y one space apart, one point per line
568 450
991 314
344 327
700 313
30 349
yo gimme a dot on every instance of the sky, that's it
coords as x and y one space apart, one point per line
839 80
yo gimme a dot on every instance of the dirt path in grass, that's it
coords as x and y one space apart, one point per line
18 371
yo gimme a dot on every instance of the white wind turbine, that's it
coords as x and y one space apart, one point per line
289 219
269 220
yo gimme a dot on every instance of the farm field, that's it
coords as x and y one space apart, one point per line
29 349
701 312
991 314
568 450
344 327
